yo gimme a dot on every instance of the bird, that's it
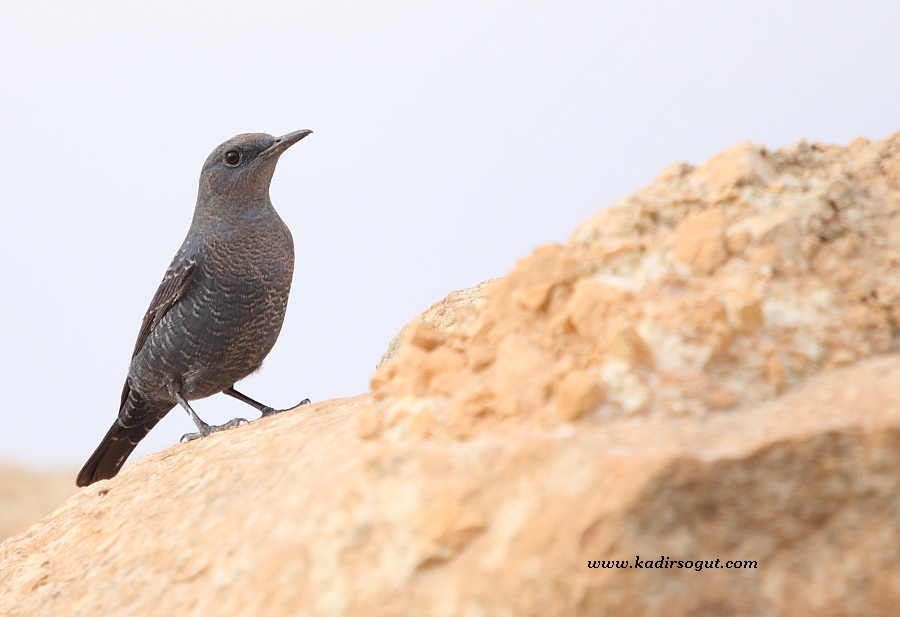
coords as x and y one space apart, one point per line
220 306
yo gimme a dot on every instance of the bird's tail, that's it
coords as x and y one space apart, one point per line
136 418
110 455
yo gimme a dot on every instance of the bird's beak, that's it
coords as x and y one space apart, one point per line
284 142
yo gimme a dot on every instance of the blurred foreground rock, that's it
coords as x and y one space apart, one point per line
706 371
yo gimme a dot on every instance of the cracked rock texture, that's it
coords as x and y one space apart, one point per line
707 370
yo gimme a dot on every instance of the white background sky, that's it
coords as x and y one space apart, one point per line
451 138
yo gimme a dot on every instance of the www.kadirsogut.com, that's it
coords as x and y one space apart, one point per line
664 563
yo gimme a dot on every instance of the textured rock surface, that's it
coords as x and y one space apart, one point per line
295 515
442 315
716 287
707 370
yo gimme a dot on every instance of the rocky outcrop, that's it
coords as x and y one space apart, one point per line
715 288
442 315
703 378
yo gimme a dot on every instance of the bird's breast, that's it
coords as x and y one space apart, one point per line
253 253
248 276
235 311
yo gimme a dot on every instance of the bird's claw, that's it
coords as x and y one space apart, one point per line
268 411
208 429
190 437
229 424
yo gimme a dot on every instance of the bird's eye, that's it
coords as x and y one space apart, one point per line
232 158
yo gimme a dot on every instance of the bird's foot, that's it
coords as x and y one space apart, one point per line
207 429
268 411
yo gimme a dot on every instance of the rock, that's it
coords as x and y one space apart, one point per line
743 305
297 515
723 410
700 241
716 287
579 393
441 315
741 165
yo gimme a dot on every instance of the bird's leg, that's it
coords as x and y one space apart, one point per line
264 409
203 429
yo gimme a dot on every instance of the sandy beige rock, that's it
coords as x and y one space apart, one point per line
579 392
700 241
741 165
715 287
442 314
296 515
612 397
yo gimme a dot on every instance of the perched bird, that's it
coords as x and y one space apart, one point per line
220 306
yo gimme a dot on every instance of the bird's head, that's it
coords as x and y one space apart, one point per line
241 168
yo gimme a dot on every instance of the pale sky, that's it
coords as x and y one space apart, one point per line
451 138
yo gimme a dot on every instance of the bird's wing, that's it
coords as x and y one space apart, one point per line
175 283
